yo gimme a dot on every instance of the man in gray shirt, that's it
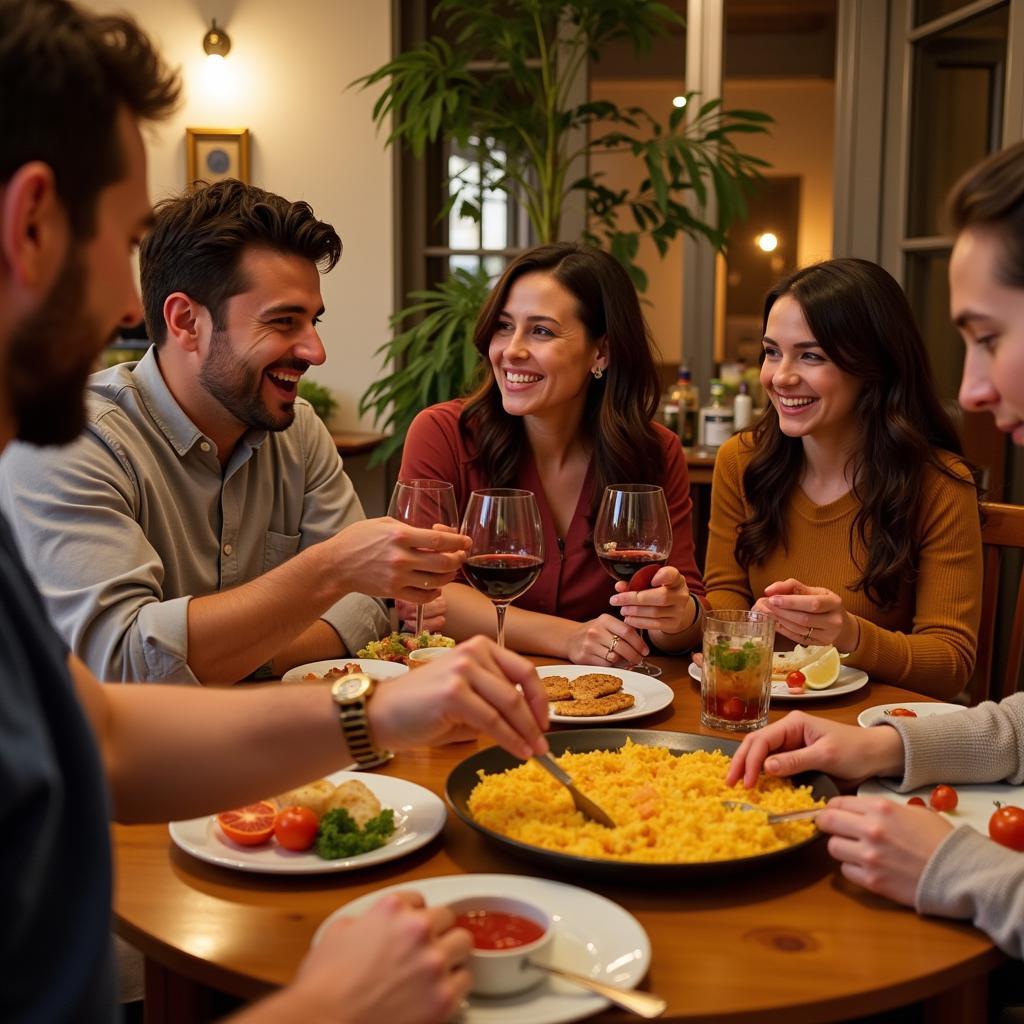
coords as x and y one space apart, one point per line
202 528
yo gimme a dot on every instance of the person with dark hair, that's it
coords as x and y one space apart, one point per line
566 409
911 854
202 528
848 512
74 753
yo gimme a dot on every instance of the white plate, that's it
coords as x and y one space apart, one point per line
649 694
975 804
850 679
924 708
593 936
373 667
419 816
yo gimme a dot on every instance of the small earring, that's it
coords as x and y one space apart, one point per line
597 372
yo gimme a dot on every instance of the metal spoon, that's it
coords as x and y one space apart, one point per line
645 1004
773 819
583 804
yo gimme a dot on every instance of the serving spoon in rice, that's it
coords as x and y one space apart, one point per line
583 804
773 819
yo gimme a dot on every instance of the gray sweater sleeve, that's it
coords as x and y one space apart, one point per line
969 876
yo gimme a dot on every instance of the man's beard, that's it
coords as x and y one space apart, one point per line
238 387
49 359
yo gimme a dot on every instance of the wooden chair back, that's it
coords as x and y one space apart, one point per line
1003 528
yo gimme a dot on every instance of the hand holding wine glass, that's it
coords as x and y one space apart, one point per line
508 546
633 531
424 504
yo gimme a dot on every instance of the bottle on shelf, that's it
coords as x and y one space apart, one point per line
742 408
716 419
688 401
668 410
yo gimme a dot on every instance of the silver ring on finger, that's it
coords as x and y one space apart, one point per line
807 635
426 583
615 642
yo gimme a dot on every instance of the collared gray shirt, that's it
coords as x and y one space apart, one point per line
125 525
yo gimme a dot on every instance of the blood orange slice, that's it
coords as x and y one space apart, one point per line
249 826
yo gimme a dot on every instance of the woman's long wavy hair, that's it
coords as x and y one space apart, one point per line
860 317
619 408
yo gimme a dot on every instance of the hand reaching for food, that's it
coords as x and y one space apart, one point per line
809 615
882 845
404 963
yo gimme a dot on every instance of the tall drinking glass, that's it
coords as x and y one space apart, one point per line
736 683
424 504
508 546
633 529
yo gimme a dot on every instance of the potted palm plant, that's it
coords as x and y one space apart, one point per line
497 77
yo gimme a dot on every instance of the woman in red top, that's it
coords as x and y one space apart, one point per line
566 411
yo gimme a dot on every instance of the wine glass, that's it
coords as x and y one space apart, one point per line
508 546
633 529
424 503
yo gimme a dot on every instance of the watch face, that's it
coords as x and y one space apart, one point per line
351 687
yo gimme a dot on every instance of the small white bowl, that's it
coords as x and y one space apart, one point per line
420 657
503 972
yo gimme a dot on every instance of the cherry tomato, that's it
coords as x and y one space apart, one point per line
916 801
795 681
734 709
901 713
250 825
296 828
944 798
1006 826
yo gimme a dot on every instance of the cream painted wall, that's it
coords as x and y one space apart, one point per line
312 138
800 143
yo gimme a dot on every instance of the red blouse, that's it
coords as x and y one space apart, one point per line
573 586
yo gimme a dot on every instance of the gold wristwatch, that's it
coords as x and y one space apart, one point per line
352 693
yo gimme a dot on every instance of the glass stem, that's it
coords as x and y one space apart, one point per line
501 609
419 619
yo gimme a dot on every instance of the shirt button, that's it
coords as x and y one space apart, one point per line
204 446
228 548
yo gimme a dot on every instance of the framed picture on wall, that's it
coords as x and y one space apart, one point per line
213 154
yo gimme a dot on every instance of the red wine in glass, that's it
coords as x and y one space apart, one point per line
508 546
502 577
623 564
633 530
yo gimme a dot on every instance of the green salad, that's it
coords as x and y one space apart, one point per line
340 836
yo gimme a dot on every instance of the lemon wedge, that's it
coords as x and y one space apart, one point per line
823 672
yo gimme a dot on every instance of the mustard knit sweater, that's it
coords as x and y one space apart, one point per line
927 640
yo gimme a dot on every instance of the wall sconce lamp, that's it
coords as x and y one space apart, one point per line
216 42
767 241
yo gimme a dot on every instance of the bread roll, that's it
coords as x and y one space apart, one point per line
355 798
313 795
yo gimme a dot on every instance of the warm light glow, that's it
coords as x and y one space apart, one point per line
767 242
678 101
218 81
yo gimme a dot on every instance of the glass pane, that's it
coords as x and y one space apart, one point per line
929 10
956 111
463 178
927 277
463 262
494 233
494 265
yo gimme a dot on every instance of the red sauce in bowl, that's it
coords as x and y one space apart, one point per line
494 929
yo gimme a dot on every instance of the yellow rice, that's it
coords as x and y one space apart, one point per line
667 808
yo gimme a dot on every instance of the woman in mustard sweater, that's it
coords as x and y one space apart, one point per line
848 513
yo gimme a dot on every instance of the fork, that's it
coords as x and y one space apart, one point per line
773 819
583 804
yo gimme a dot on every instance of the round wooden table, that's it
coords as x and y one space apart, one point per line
795 942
